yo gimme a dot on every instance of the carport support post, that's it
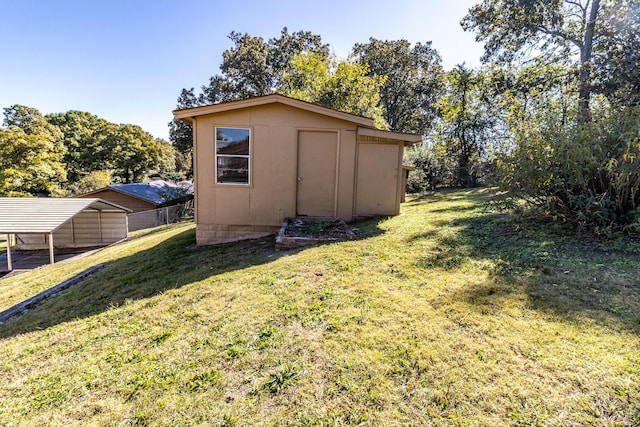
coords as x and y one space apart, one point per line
51 259
9 266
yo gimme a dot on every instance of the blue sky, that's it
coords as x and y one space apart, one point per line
127 60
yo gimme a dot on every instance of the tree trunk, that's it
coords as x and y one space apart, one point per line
584 78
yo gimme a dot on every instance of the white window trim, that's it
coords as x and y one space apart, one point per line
216 155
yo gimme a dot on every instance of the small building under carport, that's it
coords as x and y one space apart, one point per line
41 223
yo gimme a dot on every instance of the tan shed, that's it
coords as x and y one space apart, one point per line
41 223
260 160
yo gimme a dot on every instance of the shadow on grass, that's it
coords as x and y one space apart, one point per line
171 264
568 276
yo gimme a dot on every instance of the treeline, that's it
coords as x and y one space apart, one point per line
561 94
76 152
392 82
552 116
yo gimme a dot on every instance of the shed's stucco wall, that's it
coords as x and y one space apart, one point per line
227 212
379 178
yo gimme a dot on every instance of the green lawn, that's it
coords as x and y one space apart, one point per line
449 314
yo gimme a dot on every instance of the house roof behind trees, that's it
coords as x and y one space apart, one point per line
157 192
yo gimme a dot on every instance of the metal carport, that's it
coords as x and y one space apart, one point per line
48 216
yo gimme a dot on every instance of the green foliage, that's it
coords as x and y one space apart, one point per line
588 174
307 77
251 67
31 122
283 377
352 90
31 154
169 156
601 38
267 337
133 152
464 130
389 81
181 133
75 152
344 86
86 139
616 72
161 337
245 66
255 67
563 150
428 174
507 27
414 81
202 381
90 182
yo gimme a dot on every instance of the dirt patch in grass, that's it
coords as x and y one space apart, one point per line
299 232
336 229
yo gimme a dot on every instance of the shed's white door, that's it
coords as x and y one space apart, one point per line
317 166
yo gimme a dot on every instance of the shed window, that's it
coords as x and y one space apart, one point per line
232 156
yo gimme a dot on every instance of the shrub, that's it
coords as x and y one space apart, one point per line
588 174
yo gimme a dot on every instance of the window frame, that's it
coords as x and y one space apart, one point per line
243 156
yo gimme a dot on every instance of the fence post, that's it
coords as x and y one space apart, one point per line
9 264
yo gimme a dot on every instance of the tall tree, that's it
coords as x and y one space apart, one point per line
465 125
219 89
414 83
508 27
84 136
245 66
31 121
251 67
134 152
306 77
181 133
345 86
616 72
254 67
31 154
284 48
90 182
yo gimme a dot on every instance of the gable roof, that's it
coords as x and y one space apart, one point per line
46 215
365 124
156 192
188 114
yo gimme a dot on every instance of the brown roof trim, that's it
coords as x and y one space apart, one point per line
188 114
107 188
407 138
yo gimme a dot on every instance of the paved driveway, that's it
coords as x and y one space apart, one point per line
23 261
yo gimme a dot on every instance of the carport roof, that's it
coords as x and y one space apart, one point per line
45 215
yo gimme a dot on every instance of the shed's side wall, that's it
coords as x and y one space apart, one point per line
120 199
230 212
86 229
379 178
